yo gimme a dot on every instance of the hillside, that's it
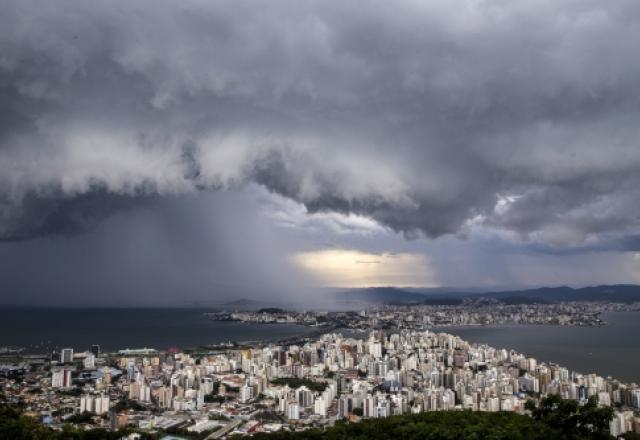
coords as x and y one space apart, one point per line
617 293
380 295
552 419
452 425
392 295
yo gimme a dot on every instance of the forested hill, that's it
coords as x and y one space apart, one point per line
458 425
552 419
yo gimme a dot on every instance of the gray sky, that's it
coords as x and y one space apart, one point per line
160 152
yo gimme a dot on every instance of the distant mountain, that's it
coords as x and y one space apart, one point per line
616 293
380 295
243 303
393 295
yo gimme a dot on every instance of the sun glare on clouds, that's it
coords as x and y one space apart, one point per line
352 268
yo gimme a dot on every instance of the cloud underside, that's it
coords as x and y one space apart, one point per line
430 118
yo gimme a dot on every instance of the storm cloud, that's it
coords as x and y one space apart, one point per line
429 117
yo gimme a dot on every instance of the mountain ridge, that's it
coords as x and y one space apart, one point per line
394 295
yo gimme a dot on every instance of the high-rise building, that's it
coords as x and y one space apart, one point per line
246 393
89 361
145 393
86 404
383 409
493 404
343 407
206 385
101 404
375 349
96 404
66 355
369 409
304 396
320 407
61 378
95 349
106 375
293 411
134 390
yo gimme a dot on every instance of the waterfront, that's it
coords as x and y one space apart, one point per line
610 350
290 387
112 329
613 349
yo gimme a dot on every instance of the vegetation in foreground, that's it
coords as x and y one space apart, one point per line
294 382
16 426
552 419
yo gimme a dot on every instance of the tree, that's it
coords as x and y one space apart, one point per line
295 382
212 398
588 421
16 426
85 417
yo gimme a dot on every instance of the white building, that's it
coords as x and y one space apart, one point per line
89 361
622 422
101 405
86 404
375 349
493 404
97 404
61 378
293 411
383 409
320 407
246 393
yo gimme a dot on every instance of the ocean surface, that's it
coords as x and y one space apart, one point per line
611 350
114 329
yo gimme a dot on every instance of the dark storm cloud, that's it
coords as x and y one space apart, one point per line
57 214
429 117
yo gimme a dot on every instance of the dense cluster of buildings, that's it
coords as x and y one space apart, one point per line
425 316
273 387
